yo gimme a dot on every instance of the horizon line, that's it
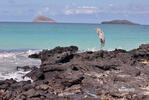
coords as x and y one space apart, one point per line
59 22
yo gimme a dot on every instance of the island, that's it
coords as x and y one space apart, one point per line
119 22
43 19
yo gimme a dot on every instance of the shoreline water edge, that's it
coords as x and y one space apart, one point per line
66 74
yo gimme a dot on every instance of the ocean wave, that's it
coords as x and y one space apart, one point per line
18 58
17 75
10 59
92 49
29 52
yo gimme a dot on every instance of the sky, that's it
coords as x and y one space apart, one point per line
75 11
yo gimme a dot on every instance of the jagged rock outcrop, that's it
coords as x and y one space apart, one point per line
66 74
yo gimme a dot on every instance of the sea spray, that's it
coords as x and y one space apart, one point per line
17 75
10 59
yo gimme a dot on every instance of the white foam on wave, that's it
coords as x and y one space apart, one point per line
6 55
17 75
29 52
108 49
95 49
17 58
91 49
9 60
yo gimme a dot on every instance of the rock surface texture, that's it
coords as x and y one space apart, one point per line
66 74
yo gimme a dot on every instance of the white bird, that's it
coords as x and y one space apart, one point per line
101 36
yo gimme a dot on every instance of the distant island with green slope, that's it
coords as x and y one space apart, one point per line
119 22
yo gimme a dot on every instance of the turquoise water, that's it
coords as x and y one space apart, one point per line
18 40
47 36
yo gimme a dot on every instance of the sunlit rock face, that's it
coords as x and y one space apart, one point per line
43 19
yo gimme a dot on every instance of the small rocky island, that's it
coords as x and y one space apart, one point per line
43 19
119 22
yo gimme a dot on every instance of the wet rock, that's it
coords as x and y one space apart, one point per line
34 56
26 68
26 87
141 53
30 93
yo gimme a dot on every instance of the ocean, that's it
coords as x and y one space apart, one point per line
18 40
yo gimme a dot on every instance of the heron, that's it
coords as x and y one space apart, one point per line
101 37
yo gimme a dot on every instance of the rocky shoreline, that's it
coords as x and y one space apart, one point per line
65 74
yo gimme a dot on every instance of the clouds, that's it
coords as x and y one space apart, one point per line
73 10
80 10
44 10
128 9
68 12
88 7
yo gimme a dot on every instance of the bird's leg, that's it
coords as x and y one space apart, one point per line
100 47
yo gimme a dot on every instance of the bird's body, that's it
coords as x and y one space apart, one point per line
101 36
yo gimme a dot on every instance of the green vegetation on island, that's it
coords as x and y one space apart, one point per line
119 22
